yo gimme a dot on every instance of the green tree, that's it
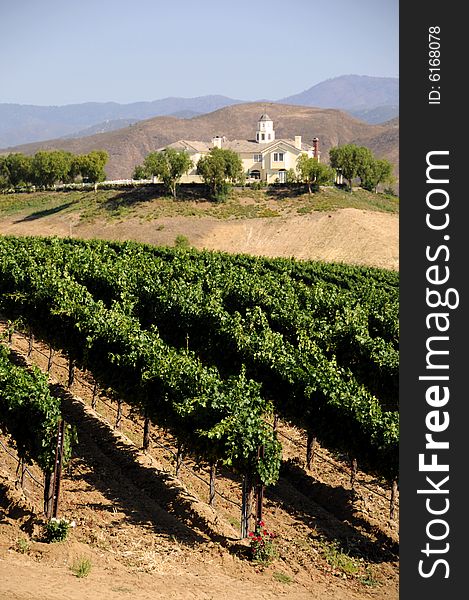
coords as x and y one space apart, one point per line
312 172
140 172
169 166
353 161
50 167
92 165
15 169
219 167
378 171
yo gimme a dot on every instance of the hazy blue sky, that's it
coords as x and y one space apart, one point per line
67 51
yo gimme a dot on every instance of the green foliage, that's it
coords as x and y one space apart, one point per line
352 160
22 545
338 558
292 177
218 168
140 172
299 334
81 567
57 530
282 577
15 170
169 166
91 165
28 412
49 167
312 172
181 241
376 172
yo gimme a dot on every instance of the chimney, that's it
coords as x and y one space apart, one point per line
216 141
316 148
298 142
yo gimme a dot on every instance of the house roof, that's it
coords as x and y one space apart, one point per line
265 117
256 148
239 146
189 146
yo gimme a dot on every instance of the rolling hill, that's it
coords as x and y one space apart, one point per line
349 92
128 146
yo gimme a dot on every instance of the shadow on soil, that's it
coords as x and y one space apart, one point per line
45 213
143 494
137 196
329 511
150 495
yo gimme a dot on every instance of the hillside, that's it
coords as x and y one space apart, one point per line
359 228
127 147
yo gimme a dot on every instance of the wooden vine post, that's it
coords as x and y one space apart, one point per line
310 449
30 342
119 414
48 494
52 480
49 360
259 489
71 372
94 396
213 474
392 504
246 505
353 476
353 472
179 454
146 433
59 451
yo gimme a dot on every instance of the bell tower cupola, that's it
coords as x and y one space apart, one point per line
265 130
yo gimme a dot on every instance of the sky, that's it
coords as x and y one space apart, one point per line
55 52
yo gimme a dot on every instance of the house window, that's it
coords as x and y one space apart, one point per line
257 157
279 156
282 176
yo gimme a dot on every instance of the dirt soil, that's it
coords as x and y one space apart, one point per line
347 235
150 534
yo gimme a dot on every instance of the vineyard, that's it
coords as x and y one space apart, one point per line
243 375
213 346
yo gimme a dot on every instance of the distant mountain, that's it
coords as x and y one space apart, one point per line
102 128
349 92
372 99
21 123
378 114
129 146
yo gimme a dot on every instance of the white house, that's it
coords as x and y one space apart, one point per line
265 158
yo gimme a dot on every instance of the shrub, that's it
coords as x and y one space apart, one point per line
56 530
81 568
262 544
181 241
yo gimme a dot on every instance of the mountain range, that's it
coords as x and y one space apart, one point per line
371 99
129 146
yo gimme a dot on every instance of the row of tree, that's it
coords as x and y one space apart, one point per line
222 167
357 162
47 168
